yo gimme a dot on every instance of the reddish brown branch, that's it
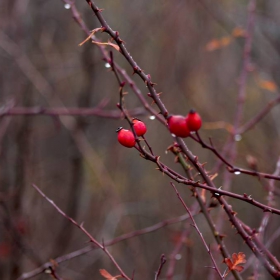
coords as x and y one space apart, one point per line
155 96
231 168
106 58
193 159
205 211
198 231
162 262
36 111
81 227
108 243
231 214
116 36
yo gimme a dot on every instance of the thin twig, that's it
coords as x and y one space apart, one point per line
87 249
116 36
106 58
198 231
231 168
37 111
231 214
81 227
218 237
172 258
251 123
146 78
162 262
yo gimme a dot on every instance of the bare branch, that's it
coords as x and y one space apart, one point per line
81 227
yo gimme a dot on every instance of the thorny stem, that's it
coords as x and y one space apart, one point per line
115 35
266 218
150 85
227 178
208 185
231 168
146 78
108 243
121 101
270 200
218 237
106 57
231 214
254 236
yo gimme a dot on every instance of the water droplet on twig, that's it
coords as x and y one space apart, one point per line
237 137
178 257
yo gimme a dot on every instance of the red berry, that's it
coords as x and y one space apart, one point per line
193 121
126 137
139 127
177 125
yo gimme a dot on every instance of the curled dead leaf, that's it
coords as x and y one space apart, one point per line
91 34
107 275
116 47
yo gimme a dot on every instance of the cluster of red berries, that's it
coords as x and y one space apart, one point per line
178 125
126 137
182 126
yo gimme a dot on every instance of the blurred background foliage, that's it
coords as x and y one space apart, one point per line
190 52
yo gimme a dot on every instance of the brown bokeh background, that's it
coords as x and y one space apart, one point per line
78 162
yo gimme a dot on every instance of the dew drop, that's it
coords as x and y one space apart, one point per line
178 257
152 118
173 135
48 271
237 137
67 6
107 65
237 172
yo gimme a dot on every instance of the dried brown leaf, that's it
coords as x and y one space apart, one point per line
91 34
234 264
107 275
116 47
268 85
239 32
